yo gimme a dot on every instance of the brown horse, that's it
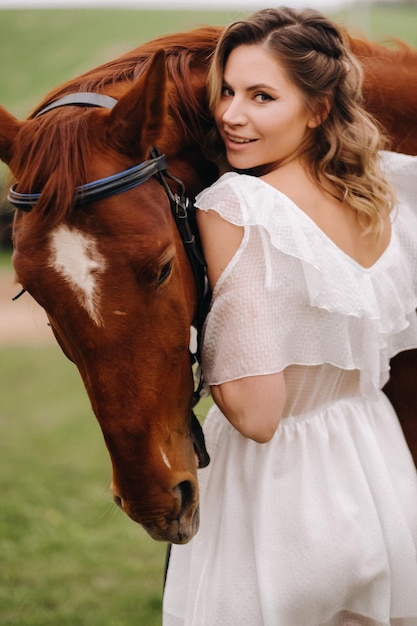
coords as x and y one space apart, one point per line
105 258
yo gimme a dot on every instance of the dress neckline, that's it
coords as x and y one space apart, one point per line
309 220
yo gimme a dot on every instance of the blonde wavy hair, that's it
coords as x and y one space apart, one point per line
345 147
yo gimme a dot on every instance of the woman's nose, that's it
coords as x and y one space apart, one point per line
233 113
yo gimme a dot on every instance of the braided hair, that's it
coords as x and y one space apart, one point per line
317 59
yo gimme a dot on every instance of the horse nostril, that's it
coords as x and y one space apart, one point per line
186 491
118 500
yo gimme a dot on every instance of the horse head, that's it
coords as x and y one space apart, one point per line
113 277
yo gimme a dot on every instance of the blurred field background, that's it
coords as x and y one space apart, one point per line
67 555
41 48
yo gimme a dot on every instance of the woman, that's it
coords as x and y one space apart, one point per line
309 506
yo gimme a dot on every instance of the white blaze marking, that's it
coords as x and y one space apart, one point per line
75 256
165 458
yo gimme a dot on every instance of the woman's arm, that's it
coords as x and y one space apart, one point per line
220 240
253 404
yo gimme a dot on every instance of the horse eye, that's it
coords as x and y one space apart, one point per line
164 273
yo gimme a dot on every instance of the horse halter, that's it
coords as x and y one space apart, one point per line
182 209
103 187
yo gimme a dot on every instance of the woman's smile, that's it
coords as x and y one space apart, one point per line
236 140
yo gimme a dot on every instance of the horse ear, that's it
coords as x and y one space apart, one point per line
9 127
137 120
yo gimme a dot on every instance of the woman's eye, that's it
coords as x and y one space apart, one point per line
164 273
226 91
263 97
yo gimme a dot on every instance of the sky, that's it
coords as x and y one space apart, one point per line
172 4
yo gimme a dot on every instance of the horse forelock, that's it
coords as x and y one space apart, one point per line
50 158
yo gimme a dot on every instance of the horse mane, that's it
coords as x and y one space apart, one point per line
389 89
392 48
62 138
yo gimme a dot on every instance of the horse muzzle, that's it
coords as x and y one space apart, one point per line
176 523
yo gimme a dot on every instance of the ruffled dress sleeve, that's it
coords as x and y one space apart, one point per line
291 296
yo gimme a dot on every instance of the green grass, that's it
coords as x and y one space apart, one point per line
67 555
5 259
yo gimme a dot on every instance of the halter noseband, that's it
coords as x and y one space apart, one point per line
181 207
98 189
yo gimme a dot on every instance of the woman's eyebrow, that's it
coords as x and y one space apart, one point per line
251 88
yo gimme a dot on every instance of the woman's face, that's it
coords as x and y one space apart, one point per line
261 116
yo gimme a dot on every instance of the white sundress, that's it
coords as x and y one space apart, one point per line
318 527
